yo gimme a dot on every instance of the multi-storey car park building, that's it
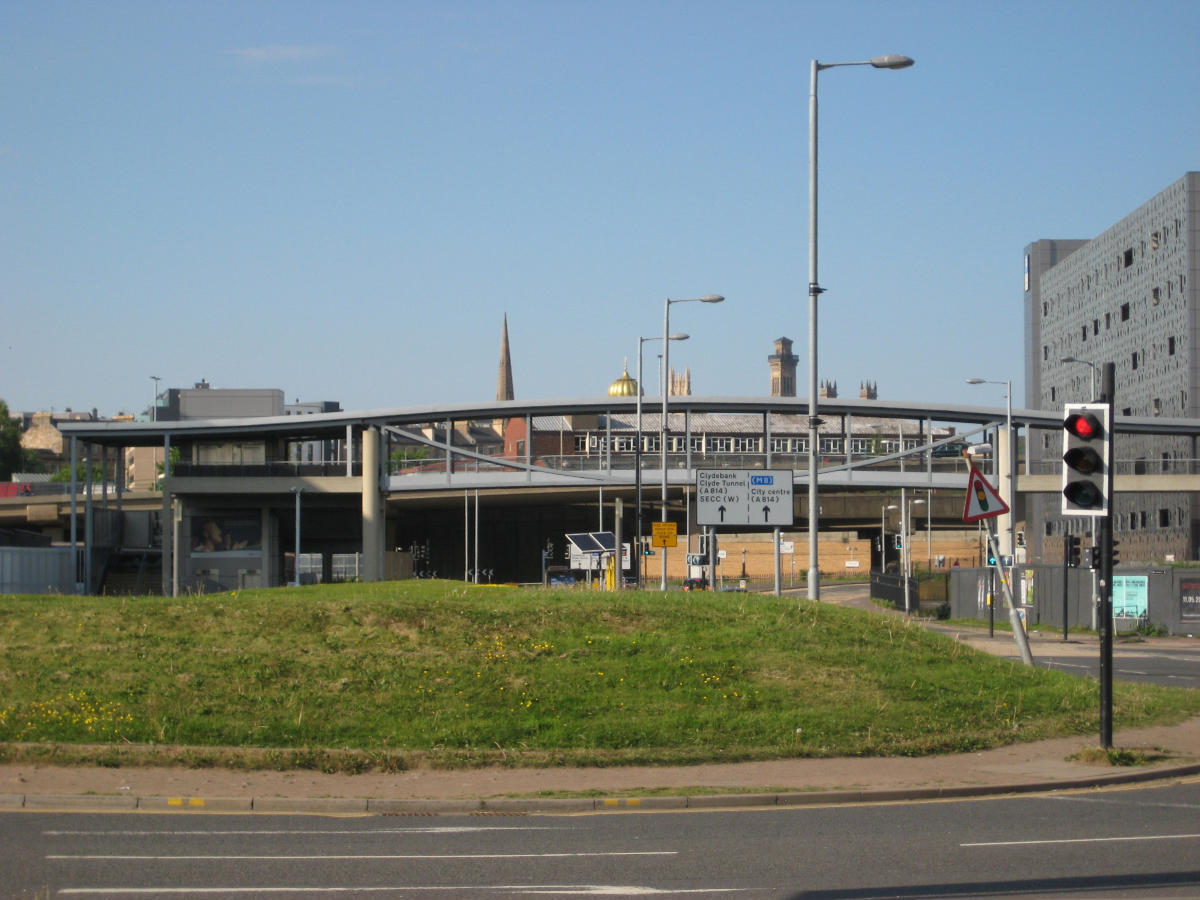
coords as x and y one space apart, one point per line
1129 297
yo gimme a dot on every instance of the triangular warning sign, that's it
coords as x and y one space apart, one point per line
982 500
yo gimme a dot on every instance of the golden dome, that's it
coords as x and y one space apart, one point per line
625 386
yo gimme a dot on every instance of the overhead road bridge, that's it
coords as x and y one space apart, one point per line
383 475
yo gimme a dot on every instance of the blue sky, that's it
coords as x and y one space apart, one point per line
344 199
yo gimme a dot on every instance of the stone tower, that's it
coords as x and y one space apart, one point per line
783 369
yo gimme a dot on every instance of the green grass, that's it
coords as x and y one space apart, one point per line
354 676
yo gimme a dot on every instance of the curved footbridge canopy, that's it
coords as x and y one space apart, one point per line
360 482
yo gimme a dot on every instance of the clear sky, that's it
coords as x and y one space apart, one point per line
344 199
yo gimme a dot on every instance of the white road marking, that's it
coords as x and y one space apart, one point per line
1094 840
441 829
337 856
561 890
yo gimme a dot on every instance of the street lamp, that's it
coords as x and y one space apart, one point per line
883 537
906 549
637 448
1095 371
890 61
154 402
666 339
1011 475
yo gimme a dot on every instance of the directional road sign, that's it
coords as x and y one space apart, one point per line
727 497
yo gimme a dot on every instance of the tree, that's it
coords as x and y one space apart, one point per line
12 456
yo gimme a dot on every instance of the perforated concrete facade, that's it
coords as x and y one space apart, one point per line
1128 296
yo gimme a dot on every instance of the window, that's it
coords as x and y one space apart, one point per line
1045 353
1095 326
1154 240
1053 394
1154 296
1171 345
1107 320
831 445
745 445
1128 257
1158 406
1124 312
720 444
1084 337
1133 360
581 443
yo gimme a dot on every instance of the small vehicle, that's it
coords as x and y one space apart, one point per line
695 584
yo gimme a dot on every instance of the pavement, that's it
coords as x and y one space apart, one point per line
1020 768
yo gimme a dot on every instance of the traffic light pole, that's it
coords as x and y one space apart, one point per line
1014 618
1104 533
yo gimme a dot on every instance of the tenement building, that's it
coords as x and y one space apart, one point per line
1127 297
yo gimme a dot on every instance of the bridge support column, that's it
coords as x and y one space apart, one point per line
373 521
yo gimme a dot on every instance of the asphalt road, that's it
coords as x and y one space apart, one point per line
1134 844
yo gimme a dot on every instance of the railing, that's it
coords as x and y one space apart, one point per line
625 461
264 470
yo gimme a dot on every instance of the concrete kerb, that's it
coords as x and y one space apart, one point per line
568 805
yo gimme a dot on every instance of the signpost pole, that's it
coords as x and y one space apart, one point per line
778 564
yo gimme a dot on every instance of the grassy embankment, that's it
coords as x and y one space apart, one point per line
396 675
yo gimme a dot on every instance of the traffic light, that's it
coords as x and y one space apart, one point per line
1071 550
1094 560
1116 556
991 558
1087 447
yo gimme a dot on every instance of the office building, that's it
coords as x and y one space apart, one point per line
1128 297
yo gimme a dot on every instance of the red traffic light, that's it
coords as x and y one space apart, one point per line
1084 426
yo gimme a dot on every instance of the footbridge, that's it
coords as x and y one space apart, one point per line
369 480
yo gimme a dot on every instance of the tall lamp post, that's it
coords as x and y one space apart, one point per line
1095 371
890 61
1010 476
637 447
154 402
666 339
883 537
907 550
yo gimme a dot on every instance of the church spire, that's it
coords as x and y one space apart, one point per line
504 383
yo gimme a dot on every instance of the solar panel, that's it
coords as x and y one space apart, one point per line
607 540
585 543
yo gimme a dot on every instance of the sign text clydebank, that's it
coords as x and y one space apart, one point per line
744 497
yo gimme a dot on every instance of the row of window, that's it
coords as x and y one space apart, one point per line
1157 295
1139 520
865 446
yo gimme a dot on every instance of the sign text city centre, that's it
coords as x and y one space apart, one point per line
744 497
